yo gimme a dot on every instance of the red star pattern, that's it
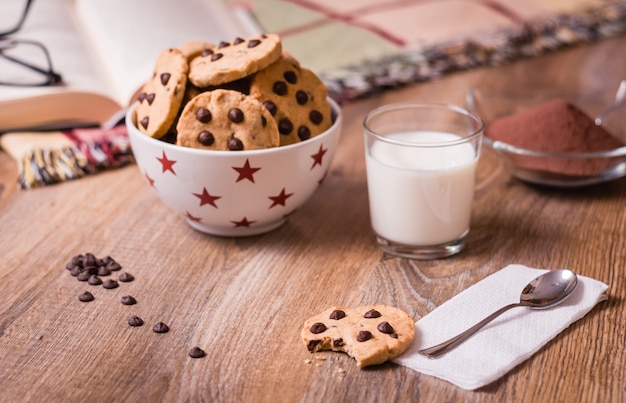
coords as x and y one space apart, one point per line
206 198
318 156
191 217
246 172
243 223
280 199
150 180
168 165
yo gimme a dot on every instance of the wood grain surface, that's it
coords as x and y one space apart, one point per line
244 300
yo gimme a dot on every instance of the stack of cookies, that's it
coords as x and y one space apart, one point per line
247 94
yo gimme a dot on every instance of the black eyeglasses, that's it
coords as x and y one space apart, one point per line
23 62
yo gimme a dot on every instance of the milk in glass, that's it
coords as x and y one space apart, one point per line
421 195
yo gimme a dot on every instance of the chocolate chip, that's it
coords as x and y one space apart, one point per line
234 144
263 121
128 300
126 277
76 271
216 56
338 342
141 97
271 107
285 126
206 138
196 352
150 98
290 77
103 271
312 344
364 335
279 88
113 266
144 122
91 269
238 40
253 43
318 327
337 314
302 97
83 276
372 313
86 297
385 327
223 44
135 321
94 280
394 335
110 284
204 115
316 117
165 77
160 327
304 133
206 52
235 115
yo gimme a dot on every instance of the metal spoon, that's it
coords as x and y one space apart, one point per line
620 96
545 291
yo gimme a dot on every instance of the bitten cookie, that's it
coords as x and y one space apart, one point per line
296 98
161 97
369 334
226 120
231 61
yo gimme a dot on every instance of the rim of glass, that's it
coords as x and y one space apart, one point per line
409 105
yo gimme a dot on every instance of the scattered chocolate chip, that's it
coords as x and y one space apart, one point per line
126 277
385 327
318 327
285 126
271 107
91 269
165 77
337 314
338 342
86 297
128 300
110 284
302 97
238 40
316 117
113 266
394 335
204 115
94 280
216 56
150 98
312 344
234 144
83 276
223 44
196 352
103 271
141 97
135 321
364 335
235 115
253 43
290 77
372 313
144 122
206 52
206 138
160 327
75 271
279 88
304 133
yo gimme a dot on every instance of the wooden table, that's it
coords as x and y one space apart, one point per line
244 300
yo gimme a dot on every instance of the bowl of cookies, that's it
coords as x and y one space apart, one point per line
234 137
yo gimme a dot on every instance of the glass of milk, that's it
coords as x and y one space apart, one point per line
421 167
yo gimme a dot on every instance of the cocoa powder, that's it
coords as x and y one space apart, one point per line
555 126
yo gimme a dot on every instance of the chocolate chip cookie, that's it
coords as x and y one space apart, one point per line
295 97
226 120
231 61
161 96
370 334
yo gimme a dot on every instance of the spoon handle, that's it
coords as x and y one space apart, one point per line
442 348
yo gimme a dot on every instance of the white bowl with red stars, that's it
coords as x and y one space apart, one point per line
235 193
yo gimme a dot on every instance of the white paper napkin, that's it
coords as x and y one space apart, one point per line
502 344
